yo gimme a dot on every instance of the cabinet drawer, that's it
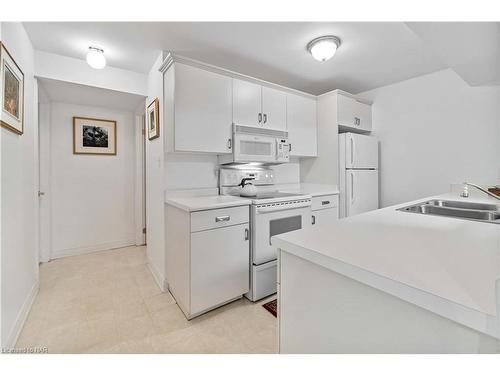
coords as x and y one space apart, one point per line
210 219
325 201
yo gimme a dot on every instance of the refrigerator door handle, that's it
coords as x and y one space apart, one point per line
352 188
353 151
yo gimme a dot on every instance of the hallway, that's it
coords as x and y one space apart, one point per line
108 302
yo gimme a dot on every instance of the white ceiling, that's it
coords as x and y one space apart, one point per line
66 92
371 54
469 48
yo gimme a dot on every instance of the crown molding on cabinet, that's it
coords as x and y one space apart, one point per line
171 58
345 93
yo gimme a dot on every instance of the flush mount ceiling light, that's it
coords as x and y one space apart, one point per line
95 58
324 47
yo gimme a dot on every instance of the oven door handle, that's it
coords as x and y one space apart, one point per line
264 210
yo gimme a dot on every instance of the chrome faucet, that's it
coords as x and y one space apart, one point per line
465 192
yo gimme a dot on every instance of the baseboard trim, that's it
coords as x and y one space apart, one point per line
160 281
94 248
21 318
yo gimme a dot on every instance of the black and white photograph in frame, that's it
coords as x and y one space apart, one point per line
11 93
94 136
154 119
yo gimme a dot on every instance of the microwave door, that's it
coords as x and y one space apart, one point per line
250 148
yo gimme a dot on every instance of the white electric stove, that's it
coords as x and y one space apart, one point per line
272 213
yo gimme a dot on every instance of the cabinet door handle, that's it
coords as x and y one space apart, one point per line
290 147
246 234
260 117
325 202
230 143
222 218
265 118
313 219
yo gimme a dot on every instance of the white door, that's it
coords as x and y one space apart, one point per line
273 108
364 113
361 151
44 182
327 216
247 103
301 125
346 111
361 191
203 110
354 114
219 266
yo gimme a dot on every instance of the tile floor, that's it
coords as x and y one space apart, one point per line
108 302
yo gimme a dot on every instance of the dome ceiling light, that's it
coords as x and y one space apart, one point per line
95 58
324 47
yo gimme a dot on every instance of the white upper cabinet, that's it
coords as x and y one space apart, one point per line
256 105
302 125
273 108
247 103
202 110
353 115
201 103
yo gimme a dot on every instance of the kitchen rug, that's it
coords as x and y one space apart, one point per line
272 307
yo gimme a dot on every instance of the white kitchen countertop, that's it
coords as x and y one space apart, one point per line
209 202
314 190
446 265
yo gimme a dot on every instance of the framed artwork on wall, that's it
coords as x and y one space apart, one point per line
94 136
154 119
11 93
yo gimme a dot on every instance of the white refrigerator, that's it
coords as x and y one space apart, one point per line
358 174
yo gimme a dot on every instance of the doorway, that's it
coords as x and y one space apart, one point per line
89 202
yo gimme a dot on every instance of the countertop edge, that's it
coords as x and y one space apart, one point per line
474 319
214 206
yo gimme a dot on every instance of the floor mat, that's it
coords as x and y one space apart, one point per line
272 307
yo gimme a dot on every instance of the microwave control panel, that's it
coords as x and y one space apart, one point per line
282 149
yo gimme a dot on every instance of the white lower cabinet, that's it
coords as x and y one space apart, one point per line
207 257
325 209
329 215
219 266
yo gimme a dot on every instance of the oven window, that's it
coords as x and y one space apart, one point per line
286 224
255 148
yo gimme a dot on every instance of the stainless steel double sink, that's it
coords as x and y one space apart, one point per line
485 212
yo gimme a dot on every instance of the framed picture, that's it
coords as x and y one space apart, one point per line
11 93
94 136
154 119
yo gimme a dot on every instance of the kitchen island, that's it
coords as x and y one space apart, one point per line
389 281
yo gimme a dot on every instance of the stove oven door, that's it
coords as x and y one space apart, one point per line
268 221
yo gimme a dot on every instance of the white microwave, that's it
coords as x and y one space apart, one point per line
257 145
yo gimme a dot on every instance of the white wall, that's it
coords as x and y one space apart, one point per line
155 198
68 69
19 203
91 196
434 130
